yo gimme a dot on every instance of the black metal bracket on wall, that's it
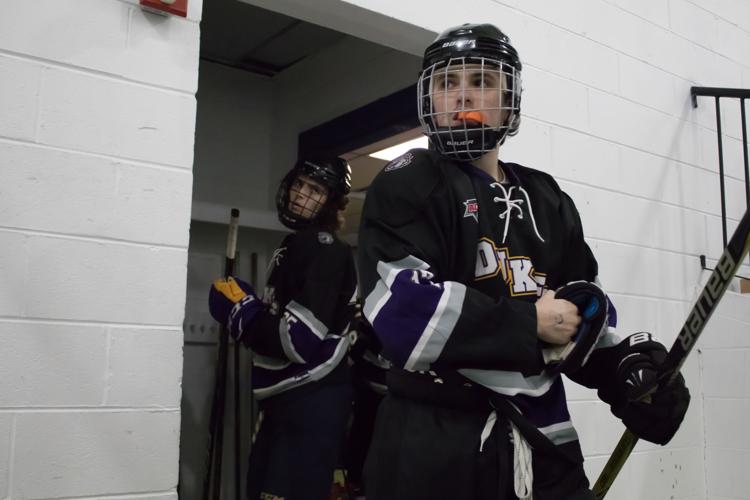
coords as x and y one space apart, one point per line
717 93
706 268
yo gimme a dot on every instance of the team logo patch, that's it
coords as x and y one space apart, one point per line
325 238
471 209
399 162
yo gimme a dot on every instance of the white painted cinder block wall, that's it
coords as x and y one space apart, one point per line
96 138
725 369
97 116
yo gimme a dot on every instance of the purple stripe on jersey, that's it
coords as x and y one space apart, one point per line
264 377
402 320
612 320
547 409
304 340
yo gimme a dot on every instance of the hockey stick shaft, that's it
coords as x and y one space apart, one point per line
237 423
212 480
704 307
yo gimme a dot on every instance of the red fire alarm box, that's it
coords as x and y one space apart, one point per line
176 7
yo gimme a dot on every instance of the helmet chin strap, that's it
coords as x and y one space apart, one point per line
466 145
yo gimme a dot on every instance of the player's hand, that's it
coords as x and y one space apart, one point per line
233 303
657 417
557 320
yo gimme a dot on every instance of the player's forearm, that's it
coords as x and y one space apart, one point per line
494 336
263 335
424 323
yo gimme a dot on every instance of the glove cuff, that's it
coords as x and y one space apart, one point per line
593 308
242 315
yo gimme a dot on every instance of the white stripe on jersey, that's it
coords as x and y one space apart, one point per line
380 295
316 373
308 318
560 433
509 383
444 319
286 342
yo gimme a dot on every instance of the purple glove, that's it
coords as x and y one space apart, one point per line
233 303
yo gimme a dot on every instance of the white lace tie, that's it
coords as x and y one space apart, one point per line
511 204
523 474
487 430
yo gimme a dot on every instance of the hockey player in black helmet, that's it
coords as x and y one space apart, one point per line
297 333
477 65
480 287
313 193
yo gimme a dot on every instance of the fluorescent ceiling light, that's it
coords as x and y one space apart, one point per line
392 152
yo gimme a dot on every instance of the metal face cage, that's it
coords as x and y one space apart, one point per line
467 105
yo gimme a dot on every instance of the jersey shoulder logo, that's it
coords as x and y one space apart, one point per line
275 261
400 162
471 209
325 238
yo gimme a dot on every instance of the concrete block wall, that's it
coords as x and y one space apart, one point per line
97 116
725 370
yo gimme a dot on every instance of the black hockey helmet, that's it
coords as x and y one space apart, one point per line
489 49
333 173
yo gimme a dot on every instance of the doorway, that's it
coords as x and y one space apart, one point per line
271 85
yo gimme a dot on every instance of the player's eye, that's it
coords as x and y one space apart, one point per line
480 81
445 82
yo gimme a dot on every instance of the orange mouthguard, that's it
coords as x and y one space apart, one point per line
471 116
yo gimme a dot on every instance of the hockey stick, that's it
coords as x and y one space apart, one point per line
237 422
237 408
704 307
212 480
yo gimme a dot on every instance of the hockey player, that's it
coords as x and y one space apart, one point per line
298 336
481 288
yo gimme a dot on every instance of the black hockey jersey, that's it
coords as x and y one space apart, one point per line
300 336
451 264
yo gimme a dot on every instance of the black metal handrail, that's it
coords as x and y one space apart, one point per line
717 93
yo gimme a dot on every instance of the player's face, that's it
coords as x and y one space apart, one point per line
306 197
468 94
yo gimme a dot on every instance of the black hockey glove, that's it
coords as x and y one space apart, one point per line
362 338
369 366
592 307
657 417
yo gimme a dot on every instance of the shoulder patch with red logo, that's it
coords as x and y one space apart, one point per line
471 209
